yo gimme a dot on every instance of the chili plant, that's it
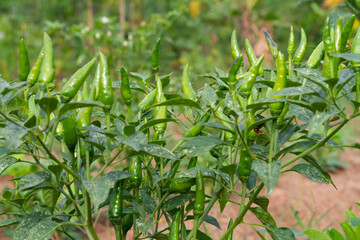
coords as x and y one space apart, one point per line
96 149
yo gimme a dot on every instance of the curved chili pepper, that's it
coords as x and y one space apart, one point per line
155 56
197 128
24 62
47 71
346 30
135 168
182 184
244 166
250 77
96 83
271 45
174 233
127 223
69 132
31 107
300 51
106 91
125 86
73 85
251 56
187 89
291 43
192 162
280 119
35 70
338 35
116 204
232 73
235 49
328 70
252 134
356 49
316 56
229 137
199 204
148 100
160 111
280 83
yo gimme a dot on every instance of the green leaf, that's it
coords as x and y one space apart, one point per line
157 151
262 201
354 57
263 216
74 105
319 119
281 233
224 198
10 221
209 219
179 101
7 162
144 225
43 230
117 175
143 126
355 221
265 101
334 234
148 202
310 172
48 104
209 96
217 126
22 230
348 230
301 113
15 131
269 173
285 135
294 91
315 234
199 145
206 172
98 189
32 180
176 201
135 141
50 196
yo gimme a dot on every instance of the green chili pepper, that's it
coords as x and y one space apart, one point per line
125 86
271 45
127 223
182 184
116 204
199 204
31 107
24 62
232 73
291 43
174 233
346 30
96 83
160 112
250 77
229 137
174 167
192 162
91 151
47 71
356 49
280 83
148 100
35 70
155 56
187 89
316 56
85 91
252 134
69 132
235 49
244 167
106 94
328 43
196 128
251 56
329 69
300 51
280 119
135 168
338 36
73 85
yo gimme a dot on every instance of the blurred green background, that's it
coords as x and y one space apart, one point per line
195 32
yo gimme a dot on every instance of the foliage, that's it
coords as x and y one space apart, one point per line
255 123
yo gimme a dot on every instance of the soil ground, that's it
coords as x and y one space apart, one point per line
306 197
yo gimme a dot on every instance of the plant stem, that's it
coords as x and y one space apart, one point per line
108 139
239 219
243 196
118 234
196 222
129 112
136 193
160 203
